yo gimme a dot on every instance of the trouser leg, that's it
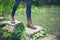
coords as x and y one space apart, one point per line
28 8
15 7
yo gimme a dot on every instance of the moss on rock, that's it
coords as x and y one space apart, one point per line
17 34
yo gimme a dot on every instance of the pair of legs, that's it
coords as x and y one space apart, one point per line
28 12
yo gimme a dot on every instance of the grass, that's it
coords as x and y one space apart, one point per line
45 16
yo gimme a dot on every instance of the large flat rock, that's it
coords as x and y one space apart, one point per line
32 31
10 25
28 31
16 30
8 22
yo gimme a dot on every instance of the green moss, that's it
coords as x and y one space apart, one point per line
19 33
38 34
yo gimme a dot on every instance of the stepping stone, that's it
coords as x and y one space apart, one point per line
32 32
28 31
11 26
14 29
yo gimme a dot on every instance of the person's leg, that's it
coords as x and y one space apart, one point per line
28 13
14 10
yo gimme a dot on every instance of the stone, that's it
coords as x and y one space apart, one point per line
11 26
30 31
16 30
